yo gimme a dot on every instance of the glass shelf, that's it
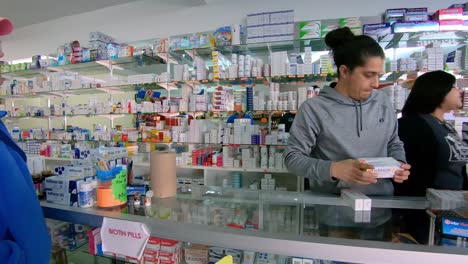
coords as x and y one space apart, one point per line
149 141
79 140
262 80
394 40
210 114
141 64
111 115
214 168
228 144
95 67
94 90
175 85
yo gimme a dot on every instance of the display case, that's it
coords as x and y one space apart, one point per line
285 225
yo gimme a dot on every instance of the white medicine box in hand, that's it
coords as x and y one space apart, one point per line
384 167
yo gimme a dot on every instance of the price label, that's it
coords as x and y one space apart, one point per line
119 186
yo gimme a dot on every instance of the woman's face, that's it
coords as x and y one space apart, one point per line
453 100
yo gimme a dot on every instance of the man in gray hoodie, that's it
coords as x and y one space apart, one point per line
347 121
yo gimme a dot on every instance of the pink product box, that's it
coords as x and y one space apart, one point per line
451 25
449 14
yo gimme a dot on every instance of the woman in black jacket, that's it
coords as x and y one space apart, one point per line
435 151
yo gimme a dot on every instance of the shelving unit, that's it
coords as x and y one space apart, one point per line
111 80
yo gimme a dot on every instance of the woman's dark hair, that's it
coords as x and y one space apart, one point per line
428 92
350 50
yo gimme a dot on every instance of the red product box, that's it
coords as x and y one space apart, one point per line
168 262
151 253
168 245
134 260
150 260
451 25
167 256
448 14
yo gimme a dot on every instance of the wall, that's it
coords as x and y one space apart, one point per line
144 20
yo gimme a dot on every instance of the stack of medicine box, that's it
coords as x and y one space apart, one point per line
270 26
98 41
220 96
450 19
162 251
64 189
434 55
268 183
279 63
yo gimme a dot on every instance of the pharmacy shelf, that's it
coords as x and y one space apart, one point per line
253 81
151 142
79 140
120 65
229 145
212 168
112 115
119 115
111 89
234 169
53 159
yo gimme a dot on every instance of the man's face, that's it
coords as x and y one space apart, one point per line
363 79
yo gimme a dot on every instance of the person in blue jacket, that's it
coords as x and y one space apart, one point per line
239 114
23 230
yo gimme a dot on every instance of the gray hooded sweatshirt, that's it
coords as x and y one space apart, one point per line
332 127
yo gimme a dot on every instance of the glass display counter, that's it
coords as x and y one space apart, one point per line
300 225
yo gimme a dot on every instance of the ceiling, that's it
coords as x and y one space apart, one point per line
26 12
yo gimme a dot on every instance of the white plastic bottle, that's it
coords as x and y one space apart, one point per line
85 196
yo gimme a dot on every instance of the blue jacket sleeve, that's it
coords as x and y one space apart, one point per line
231 118
23 231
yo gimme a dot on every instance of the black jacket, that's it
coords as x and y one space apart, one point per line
435 160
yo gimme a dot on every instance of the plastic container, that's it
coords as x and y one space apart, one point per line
85 195
112 187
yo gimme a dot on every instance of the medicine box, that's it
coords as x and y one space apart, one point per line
384 167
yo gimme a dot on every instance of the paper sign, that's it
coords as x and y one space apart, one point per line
119 186
124 237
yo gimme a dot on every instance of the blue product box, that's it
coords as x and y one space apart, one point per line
417 11
380 29
455 227
397 12
402 27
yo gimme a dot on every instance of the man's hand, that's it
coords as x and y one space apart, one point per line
353 171
402 174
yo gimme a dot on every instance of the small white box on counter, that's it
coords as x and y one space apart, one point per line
357 200
384 167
